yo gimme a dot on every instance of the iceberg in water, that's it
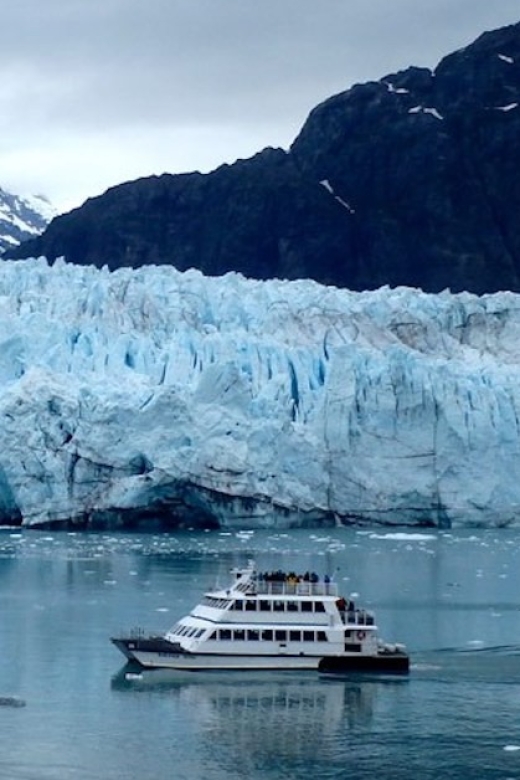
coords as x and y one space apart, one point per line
154 394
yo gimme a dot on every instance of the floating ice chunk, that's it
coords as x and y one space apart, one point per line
512 748
506 108
11 701
505 58
404 537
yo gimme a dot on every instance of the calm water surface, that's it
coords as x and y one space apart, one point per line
453 598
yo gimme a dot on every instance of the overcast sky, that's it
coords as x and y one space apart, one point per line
97 92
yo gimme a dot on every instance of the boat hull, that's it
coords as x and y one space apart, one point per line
158 653
383 663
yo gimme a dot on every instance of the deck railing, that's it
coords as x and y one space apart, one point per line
290 588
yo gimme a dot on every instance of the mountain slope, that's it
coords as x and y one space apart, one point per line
22 218
410 180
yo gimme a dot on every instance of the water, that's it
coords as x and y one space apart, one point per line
453 598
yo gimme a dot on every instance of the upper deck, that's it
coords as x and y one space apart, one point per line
291 588
251 583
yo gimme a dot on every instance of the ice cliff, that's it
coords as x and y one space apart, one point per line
160 395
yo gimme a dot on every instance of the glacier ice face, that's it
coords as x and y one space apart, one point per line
152 393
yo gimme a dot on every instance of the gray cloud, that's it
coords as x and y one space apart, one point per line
94 93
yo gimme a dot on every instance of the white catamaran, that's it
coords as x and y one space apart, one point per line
272 621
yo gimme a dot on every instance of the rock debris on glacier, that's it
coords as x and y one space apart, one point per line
152 394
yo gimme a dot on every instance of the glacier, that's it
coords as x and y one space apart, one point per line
149 395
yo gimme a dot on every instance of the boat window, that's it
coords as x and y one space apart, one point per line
306 606
280 636
253 635
292 606
238 605
250 606
265 606
216 603
278 606
319 606
199 633
322 636
213 635
225 634
239 634
308 636
267 635
294 636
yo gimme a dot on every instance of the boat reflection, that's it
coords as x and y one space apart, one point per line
241 707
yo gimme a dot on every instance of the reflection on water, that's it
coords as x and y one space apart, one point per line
264 717
297 696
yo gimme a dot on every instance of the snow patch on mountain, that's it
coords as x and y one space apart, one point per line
22 217
225 401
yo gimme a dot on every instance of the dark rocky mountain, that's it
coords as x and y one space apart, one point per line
411 180
21 218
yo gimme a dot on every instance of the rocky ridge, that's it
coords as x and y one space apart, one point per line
407 180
